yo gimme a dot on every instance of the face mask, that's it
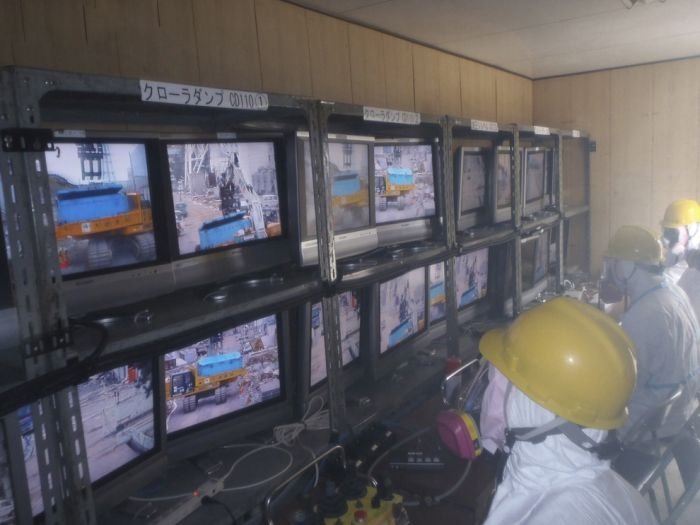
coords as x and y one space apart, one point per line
675 242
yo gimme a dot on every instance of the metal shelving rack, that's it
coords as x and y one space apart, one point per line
31 101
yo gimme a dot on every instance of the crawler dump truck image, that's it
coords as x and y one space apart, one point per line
209 376
393 186
347 190
109 219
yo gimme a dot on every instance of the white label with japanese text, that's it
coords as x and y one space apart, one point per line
541 130
484 125
185 95
575 133
391 115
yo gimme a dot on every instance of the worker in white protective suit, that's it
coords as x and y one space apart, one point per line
570 372
690 280
681 232
661 323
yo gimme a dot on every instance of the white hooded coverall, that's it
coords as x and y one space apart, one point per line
666 336
690 283
557 482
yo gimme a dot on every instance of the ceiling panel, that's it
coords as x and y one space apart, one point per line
537 37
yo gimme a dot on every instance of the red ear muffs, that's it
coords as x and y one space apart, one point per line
459 433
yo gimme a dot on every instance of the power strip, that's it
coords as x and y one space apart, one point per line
178 512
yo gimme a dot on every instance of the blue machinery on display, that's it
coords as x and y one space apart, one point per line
171 297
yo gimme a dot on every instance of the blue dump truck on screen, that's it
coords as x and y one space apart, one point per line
209 376
392 187
231 229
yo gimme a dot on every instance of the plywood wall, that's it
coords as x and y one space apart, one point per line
646 124
266 45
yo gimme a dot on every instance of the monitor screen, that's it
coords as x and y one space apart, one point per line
473 181
404 182
223 193
401 308
101 202
31 462
349 312
227 372
535 175
436 293
471 277
503 179
7 506
348 165
117 409
535 259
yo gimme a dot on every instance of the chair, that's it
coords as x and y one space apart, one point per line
685 450
642 451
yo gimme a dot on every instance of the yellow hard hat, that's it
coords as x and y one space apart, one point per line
636 244
681 213
569 357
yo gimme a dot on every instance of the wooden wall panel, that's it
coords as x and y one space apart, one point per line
513 98
227 44
10 30
367 66
102 43
398 68
177 45
630 141
330 57
284 48
675 134
450 84
478 90
426 74
551 103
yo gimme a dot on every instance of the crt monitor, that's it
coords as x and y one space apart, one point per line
471 178
501 196
436 292
404 187
534 180
101 200
7 507
471 277
401 309
349 162
117 410
229 371
535 260
223 194
350 319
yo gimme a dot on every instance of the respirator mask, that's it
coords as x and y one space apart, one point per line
675 242
612 287
457 427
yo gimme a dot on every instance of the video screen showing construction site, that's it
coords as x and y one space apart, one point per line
473 182
349 313
224 194
222 374
471 277
404 184
348 165
101 205
436 294
7 505
401 308
117 410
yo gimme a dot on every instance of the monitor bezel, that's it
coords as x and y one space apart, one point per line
195 439
536 205
503 213
155 186
420 228
478 216
349 242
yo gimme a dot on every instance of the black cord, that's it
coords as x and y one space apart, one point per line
207 500
102 343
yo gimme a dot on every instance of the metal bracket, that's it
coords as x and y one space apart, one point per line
48 343
20 140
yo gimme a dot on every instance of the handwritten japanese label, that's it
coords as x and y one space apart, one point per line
391 115
541 130
184 95
484 125
576 133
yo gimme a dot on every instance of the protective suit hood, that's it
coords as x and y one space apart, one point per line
556 481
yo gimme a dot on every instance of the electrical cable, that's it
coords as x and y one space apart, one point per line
262 481
395 446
